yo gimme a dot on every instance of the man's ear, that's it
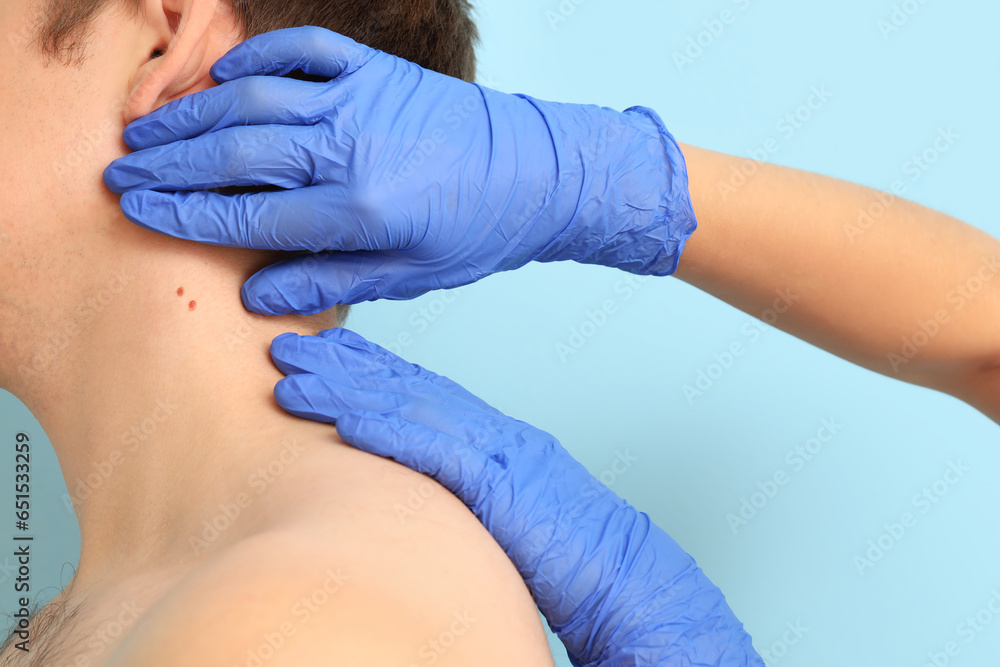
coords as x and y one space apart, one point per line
178 42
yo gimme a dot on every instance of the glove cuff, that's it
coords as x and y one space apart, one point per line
675 213
591 184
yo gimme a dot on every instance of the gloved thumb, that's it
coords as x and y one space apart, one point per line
315 51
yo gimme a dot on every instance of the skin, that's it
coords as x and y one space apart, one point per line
862 287
163 417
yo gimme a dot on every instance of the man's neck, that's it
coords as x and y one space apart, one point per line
163 419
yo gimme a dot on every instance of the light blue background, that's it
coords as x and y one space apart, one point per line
622 391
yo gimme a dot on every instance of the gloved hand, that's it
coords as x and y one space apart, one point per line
616 589
432 181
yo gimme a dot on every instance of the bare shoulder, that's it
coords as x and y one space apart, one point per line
408 584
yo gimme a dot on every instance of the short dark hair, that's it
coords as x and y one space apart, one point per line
436 34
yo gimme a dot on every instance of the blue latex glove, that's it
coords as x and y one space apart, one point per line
616 589
433 181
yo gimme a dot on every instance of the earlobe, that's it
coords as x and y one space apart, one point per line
182 40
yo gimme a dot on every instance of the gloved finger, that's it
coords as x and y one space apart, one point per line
260 220
358 342
309 285
262 155
324 398
373 378
307 396
455 466
254 100
315 51
345 360
321 398
347 357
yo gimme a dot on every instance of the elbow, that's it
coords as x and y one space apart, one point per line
991 366
979 387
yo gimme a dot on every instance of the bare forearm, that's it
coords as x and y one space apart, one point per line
907 291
